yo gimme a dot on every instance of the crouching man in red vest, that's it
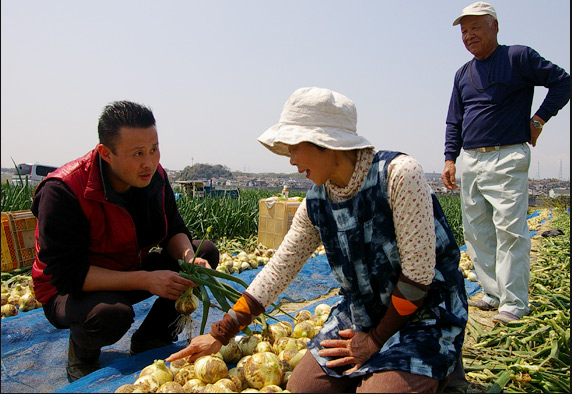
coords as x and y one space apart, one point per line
98 217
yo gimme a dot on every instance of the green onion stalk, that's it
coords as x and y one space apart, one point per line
188 302
224 294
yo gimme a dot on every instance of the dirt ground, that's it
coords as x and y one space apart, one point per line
482 317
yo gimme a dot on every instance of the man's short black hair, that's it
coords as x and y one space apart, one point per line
122 114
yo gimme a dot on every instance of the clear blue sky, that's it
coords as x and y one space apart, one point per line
217 73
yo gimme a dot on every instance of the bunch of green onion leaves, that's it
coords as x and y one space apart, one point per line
224 294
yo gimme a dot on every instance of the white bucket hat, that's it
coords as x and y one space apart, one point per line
320 116
478 8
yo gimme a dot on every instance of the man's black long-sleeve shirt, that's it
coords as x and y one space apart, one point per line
64 229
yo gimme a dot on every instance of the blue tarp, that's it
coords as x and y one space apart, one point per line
126 370
34 353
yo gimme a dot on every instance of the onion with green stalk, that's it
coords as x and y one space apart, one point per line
188 302
224 294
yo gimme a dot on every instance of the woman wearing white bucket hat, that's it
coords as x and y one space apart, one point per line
400 324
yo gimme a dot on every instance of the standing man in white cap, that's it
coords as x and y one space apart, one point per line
490 119
400 325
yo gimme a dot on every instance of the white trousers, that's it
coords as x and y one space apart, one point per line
494 200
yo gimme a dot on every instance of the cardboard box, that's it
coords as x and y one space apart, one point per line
18 229
274 220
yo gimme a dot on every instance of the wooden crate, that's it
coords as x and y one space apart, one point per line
19 228
9 260
274 221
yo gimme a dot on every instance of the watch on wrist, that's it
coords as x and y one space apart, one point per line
536 124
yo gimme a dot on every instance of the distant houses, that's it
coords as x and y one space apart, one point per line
538 189
559 192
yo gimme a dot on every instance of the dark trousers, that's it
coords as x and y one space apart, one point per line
101 318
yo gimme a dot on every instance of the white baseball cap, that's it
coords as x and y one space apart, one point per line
478 8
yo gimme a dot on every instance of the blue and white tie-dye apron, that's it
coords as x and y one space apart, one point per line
360 242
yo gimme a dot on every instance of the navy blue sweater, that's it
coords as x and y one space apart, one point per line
492 99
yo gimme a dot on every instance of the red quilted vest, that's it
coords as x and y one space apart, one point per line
113 239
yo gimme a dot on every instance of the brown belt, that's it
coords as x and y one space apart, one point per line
490 148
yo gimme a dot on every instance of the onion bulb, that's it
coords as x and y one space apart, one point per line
263 369
170 387
322 309
287 354
285 343
271 388
231 352
247 344
235 380
17 291
159 370
277 331
186 304
287 325
253 263
185 373
302 343
321 319
285 378
225 385
9 310
4 298
147 384
304 329
302 315
263 346
27 302
209 369
218 354
126 388
294 361
176 365
237 373
194 386
241 362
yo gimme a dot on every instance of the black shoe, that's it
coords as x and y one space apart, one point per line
77 368
139 346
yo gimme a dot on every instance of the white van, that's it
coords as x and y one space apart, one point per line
32 174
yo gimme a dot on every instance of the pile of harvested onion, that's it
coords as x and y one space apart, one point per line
258 363
18 296
242 261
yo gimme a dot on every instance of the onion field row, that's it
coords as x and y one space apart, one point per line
232 220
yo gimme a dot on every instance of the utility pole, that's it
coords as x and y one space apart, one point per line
560 171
